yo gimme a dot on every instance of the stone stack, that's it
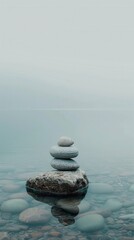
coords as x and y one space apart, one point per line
67 179
63 153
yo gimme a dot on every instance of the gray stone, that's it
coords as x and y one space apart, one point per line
65 141
84 206
59 183
2 222
129 227
14 205
113 205
103 212
4 236
34 215
64 165
91 222
15 227
64 152
126 238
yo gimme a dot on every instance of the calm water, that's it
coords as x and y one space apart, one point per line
105 142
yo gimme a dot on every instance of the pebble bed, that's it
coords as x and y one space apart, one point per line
110 201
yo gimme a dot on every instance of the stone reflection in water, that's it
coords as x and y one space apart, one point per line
65 209
63 216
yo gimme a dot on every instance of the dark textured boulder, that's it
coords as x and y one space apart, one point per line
59 183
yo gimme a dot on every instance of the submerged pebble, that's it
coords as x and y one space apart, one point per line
34 215
55 234
4 236
84 206
2 222
113 204
91 222
36 235
14 205
104 212
86 217
15 227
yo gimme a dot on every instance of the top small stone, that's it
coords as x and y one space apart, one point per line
65 142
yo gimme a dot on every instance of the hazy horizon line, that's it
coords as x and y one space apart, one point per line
67 109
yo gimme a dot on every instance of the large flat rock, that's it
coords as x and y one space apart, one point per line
59 183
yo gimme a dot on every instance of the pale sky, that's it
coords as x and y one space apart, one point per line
66 54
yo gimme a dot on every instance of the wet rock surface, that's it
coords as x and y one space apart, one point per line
59 182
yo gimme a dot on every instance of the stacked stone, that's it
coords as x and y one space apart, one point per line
63 153
67 180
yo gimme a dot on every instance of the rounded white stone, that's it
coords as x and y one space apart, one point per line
64 165
65 141
64 152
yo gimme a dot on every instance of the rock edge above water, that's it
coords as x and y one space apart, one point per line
59 183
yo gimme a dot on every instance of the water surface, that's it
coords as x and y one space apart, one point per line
105 142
